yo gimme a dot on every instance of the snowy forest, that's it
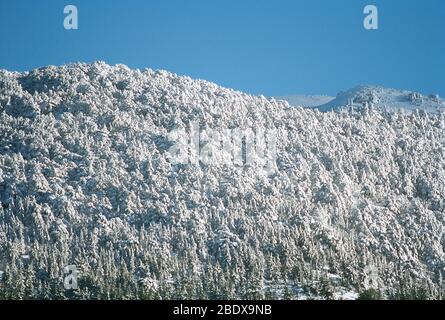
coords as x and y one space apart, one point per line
355 208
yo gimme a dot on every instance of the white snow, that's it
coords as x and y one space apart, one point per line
386 99
376 96
350 295
85 177
307 101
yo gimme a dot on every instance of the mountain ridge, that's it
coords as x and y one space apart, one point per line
385 98
86 179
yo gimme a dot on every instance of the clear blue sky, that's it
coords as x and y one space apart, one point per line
274 47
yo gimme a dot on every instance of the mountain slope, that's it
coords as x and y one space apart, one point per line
386 98
307 101
356 200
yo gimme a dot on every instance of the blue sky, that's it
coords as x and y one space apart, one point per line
270 47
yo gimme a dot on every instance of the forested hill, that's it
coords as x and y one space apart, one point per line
352 203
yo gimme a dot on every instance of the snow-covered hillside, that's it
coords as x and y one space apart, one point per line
356 201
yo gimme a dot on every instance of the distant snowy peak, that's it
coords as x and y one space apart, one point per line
384 98
371 96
